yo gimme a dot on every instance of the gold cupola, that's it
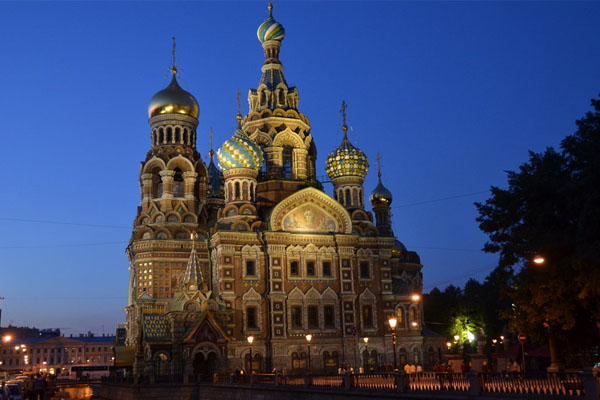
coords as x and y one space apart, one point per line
173 99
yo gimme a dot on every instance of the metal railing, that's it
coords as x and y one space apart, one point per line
560 385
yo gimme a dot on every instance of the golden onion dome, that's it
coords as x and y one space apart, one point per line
173 100
380 196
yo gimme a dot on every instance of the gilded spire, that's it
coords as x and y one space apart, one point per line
343 112
173 67
270 7
239 115
378 159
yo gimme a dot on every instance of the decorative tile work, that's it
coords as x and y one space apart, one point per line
240 152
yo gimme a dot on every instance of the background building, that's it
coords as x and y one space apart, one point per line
256 248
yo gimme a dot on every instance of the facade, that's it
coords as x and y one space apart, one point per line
53 354
255 247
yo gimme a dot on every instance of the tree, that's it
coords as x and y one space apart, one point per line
552 207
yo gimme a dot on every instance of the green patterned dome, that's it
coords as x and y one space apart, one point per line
240 152
270 29
346 160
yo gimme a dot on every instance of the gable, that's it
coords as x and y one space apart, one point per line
310 210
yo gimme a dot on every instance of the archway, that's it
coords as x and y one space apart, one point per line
205 365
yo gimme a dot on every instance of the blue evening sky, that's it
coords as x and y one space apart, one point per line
451 93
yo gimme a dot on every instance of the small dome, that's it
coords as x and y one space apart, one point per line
346 160
240 152
173 100
270 29
380 196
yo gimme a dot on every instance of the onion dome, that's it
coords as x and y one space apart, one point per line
380 196
173 100
270 29
346 160
240 152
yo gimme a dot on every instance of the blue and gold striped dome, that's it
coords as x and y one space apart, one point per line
270 29
346 160
240 152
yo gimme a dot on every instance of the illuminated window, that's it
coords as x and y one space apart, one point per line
400 315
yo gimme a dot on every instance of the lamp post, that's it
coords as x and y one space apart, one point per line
250 340
366 340
308 339
393 321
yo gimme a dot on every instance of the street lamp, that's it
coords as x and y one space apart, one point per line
415 297
366 340
456 337
7 338
308 339
250 340
393 321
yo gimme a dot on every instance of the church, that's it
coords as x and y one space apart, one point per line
245 262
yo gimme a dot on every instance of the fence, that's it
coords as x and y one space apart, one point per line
576 385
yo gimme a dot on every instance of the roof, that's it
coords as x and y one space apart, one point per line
84 339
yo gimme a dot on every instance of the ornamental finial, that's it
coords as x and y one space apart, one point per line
173 67
270 7
343 111
210 144
378 159
239 115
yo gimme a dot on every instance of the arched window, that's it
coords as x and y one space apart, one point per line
186 137
178 184
413 314
416 357
281 97
237 191
400 316
177 135
286 158
157 185
262 174
403 359
169 135
348 198
161 135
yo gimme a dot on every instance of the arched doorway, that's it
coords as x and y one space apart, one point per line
205 365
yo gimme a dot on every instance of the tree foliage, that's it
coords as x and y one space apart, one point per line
551 207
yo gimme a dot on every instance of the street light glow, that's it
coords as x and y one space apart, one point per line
539 260
415 297
6 338
250 339
366 339
392 321
308 337
456 337
470 336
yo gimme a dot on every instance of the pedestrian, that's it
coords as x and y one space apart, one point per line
39 386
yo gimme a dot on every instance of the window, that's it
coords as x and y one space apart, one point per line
286 156
294 268
367 313
251 317
313 316
310 268
413 314
400 316
364 270
329 314
326 268
237 191
296 317
250 270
